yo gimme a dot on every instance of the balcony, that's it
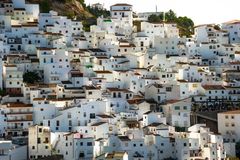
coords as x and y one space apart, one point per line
231 92
20 119
16 128
20 112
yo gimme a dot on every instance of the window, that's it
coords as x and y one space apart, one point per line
92 115
39 140
33 147
90 92
177 107
57 123
168 89
89 143
40 130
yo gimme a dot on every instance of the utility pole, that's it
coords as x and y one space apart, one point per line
163 16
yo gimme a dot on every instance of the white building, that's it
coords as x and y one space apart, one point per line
228 125
233 29
39 142
178 112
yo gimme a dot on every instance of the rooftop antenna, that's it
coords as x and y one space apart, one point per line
164 18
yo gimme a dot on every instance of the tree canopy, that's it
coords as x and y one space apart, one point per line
185 24
2 92
98 12
31 77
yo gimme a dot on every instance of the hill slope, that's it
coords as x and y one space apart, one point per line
70 8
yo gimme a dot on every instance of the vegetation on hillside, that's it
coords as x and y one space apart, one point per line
77 9
74 9
71 8
185 24
98 12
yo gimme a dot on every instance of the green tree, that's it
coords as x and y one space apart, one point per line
170 16
98 12
70 14
154 18
2 92
31 77
185 24
45 6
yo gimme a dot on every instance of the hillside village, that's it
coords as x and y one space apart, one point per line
115 92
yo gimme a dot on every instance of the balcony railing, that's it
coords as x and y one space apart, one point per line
16 128
20 112
19 120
